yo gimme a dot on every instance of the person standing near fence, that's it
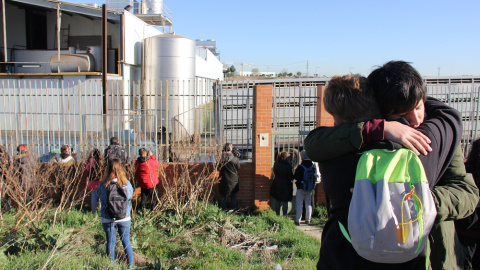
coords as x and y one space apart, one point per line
282 186
115 150
93 169
228 167
305 187
116 175
25 165
146 167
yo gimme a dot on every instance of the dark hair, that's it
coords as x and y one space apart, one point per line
472 164
65 149
142 152
96 155
113 140
398 87
283 156
227 147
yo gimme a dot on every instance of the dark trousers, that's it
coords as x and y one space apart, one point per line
233 201
149 194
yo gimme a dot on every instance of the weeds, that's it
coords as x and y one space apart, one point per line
47 229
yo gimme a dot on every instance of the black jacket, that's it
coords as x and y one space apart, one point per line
282 186
228 168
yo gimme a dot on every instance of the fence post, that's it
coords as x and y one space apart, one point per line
262 155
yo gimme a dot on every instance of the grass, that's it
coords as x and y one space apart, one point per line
211 239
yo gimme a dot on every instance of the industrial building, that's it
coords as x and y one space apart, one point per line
82 62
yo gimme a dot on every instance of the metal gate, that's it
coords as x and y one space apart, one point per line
294 116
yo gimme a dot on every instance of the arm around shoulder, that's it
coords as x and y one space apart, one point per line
324 143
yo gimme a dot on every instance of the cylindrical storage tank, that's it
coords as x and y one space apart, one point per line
80 62
96 51
152 6
169 61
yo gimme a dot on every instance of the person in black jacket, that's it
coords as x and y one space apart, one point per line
282 186
228 167
115 150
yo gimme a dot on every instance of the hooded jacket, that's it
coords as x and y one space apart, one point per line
146 172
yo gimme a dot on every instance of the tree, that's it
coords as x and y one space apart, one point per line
299 73
255 71
232 70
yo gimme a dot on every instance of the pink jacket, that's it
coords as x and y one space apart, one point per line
146 173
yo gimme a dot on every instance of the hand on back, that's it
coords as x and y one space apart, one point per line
408 137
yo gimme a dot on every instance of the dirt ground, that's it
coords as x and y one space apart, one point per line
314 231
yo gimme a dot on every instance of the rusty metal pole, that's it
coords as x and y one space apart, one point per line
4 32
104 58
104 67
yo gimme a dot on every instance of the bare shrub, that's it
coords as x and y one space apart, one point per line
43 185
185 187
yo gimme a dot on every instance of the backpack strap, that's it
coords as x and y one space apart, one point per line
344 232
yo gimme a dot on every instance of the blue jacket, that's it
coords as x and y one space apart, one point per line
102 193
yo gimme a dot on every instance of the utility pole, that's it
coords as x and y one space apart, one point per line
307 70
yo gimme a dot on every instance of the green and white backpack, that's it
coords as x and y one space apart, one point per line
392 209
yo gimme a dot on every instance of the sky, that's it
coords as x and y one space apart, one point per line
328 37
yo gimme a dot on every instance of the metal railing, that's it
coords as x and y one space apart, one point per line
188 120
45 114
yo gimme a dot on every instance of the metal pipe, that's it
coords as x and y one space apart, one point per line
58 32
104 58
5 53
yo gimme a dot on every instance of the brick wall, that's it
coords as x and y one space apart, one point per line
323 119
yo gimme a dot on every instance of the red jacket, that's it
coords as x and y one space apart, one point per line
146 173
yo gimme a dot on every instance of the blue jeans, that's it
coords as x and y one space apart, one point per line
124 232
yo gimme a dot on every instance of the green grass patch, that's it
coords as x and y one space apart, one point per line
209 239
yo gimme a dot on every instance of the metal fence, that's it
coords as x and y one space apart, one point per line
187 120
294 109
46 114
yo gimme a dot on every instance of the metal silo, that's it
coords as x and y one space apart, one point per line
152 6
169 73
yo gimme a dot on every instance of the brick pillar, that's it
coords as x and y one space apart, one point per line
262 155
323 119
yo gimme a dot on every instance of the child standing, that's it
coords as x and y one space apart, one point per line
115 174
